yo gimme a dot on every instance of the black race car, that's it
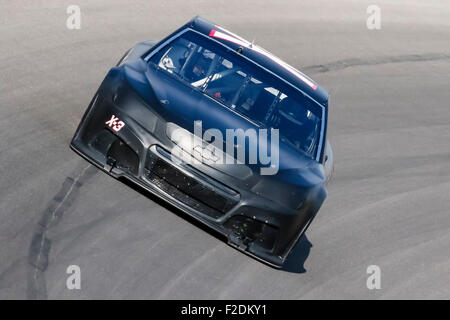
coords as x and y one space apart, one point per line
219 128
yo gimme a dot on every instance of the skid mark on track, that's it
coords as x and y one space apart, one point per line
40 246
355 62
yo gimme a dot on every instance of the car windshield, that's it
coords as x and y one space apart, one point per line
243 87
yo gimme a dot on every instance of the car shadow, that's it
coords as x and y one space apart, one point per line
294 262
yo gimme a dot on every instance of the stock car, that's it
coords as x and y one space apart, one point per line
194 119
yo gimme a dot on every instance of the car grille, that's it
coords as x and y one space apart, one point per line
201 196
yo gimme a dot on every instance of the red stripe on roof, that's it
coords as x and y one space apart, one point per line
245 43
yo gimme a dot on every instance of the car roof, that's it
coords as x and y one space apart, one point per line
259 56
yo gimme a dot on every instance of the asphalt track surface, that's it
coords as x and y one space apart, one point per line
389 124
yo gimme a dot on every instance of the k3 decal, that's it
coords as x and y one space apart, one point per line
115 123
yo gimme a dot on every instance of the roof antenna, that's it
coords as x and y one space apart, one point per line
252 43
